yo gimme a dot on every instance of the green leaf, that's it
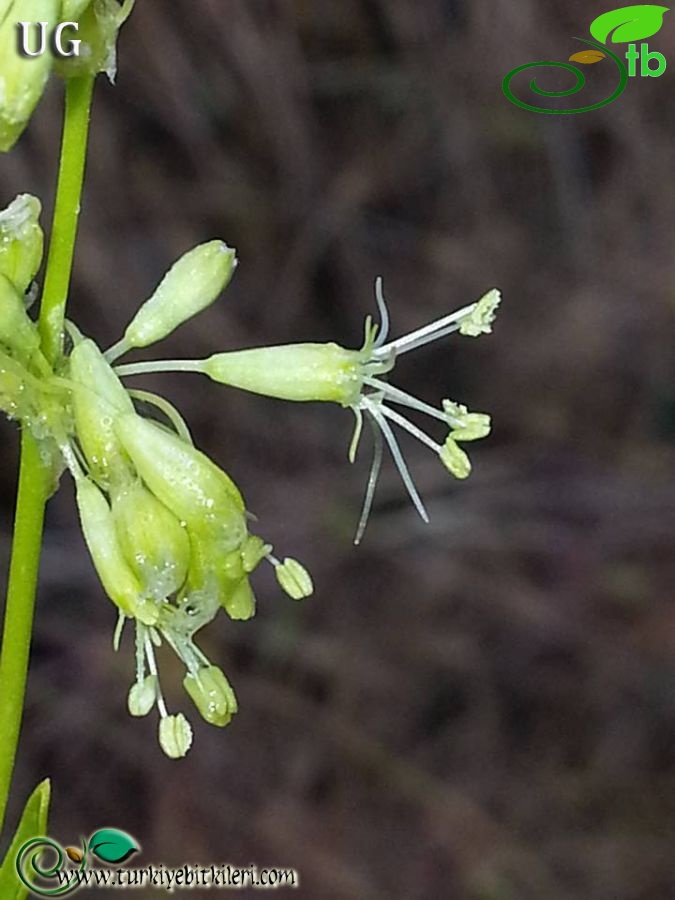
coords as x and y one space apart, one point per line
112 846
630 23
33 823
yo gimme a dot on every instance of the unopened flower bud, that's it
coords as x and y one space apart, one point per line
152 539
17 332
21 241
294 579
455 459
175 735
190 285
22 78
292 372
185 480
142 696
212 695
97 400
118 580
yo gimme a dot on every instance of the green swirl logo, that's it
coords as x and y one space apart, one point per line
47 870
628 24
32 870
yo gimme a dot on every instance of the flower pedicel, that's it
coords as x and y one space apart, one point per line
166 528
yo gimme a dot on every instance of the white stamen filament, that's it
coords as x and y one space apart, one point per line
402 398
168 409
140 653
400 462
373 475
411 429
384 314
150 656
119 628
431 332
356 437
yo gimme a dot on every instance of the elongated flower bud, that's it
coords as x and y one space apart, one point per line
17 332
185 480
97 400
190 285
292 372
21 241
212 695
155 545
118 580
22 78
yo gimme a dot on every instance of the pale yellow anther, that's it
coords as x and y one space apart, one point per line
465 425
294 579
175 735
142 696
455 459
479 320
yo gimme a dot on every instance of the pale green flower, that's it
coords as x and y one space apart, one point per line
358 380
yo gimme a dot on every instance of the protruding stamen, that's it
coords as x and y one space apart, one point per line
431 332
373 475
403 399
400 462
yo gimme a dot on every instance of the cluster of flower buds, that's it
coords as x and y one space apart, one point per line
23 76
166 528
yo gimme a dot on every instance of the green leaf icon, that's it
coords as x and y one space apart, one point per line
630 23
112 846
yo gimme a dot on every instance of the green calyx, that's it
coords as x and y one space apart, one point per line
298 372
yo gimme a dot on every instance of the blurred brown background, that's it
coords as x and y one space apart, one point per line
483 708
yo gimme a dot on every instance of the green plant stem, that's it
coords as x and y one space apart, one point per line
66 214
34 476
23 572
